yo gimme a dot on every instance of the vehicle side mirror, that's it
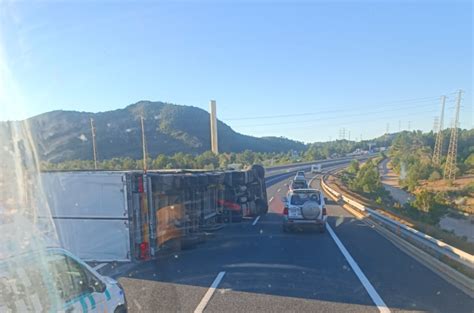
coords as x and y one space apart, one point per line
325 200
95 285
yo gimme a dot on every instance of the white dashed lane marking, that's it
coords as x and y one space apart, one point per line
256 220
205 300
363 279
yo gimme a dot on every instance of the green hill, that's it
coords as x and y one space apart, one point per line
169 128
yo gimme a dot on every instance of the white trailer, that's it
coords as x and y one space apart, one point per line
90 212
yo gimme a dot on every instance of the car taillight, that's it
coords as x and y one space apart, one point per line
285 211
324 211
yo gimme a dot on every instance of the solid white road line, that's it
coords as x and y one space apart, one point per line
205 300
256 220
363 279
98 267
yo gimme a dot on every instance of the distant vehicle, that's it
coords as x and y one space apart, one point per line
298 184
54 280
234 166
299 175
316 169
304 208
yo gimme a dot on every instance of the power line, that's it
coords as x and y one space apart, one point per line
326 118
354 122
388 104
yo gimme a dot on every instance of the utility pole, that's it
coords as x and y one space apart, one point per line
438 148
94 147
143 144
214 142
450 166
349 135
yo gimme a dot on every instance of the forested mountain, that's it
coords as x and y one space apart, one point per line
169 128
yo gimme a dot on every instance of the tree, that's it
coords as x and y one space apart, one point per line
313 153
354 167
367 179
224 160
160 162
435 175
129 164
425 201
182 160
470 161
207 160
247 157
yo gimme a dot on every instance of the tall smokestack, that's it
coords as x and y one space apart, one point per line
214 146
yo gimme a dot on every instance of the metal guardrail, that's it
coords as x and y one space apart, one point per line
439 246
322 162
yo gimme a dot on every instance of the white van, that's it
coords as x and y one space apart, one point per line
53 280
316 169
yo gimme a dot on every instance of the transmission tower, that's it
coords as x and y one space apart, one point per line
342 133
438 148
435 124
450 166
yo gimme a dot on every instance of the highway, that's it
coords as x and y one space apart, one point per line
255 267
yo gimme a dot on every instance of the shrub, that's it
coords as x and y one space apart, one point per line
435 175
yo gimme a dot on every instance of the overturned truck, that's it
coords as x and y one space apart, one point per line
130 215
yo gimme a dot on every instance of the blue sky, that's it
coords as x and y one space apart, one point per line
352 65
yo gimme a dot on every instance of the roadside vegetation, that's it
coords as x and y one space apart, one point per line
365 179
411 158
411 154
207 160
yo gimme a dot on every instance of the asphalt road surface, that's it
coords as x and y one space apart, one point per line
255 267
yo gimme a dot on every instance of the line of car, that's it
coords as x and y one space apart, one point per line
304 207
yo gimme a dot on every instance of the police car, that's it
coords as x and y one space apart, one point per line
37 278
